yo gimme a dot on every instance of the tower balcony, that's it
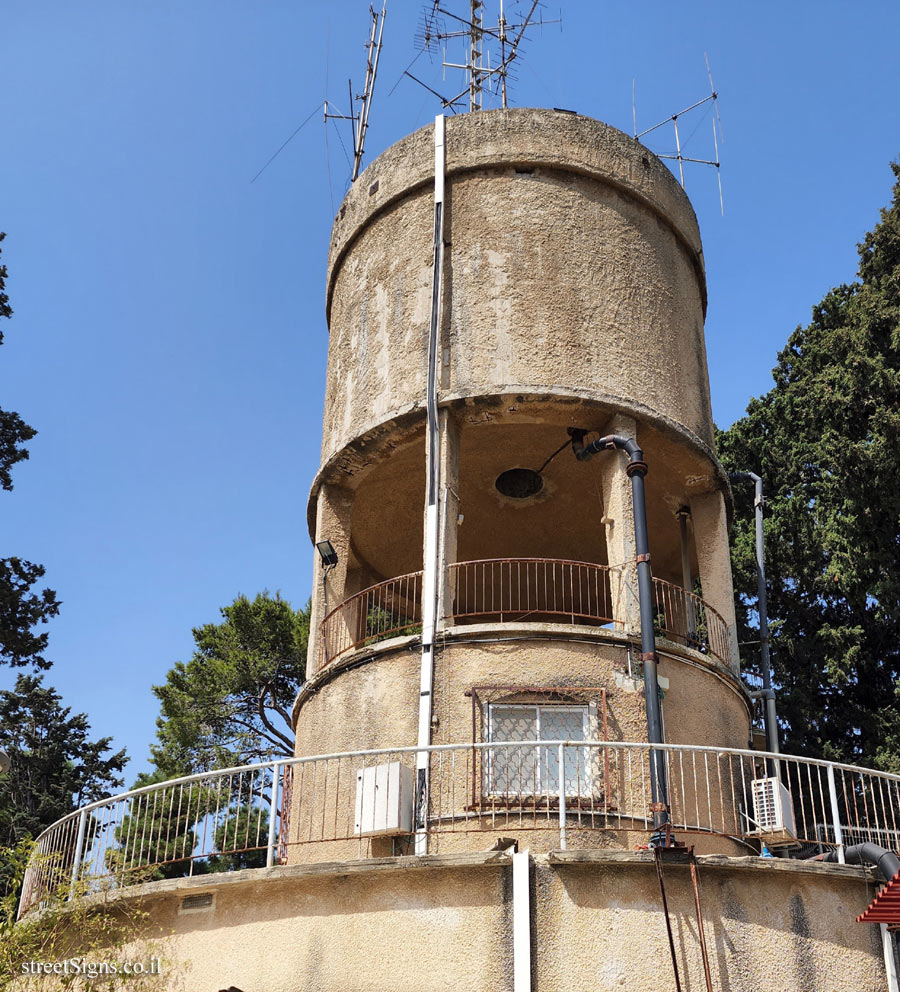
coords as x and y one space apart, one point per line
568 798
522 590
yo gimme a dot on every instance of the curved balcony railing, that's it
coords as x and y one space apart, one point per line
324 808
504 590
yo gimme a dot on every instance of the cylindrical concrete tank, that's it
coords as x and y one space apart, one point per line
575 268
573 297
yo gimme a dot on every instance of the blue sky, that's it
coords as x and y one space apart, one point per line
169 338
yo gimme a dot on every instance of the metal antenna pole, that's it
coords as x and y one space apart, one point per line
501 27
633 108
362 122
679 155
718 169
476 35
475 32
678 149
359 123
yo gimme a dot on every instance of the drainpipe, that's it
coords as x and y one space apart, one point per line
636 470
683 513
431 552
867 854
889 865
768 691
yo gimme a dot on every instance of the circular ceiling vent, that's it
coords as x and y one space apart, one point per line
519 483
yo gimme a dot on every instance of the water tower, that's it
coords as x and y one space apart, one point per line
503 287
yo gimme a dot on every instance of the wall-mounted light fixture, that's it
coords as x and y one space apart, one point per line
329 560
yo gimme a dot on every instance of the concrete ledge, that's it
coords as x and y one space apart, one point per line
341 465
461 633
287 873
625 859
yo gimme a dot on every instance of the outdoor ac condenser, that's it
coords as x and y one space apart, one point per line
384 800
773 811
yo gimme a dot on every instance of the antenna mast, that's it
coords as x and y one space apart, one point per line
476 33
360 121
679 157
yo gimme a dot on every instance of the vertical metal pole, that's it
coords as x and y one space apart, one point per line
79 849
835 814
658 790
501 27
273 816
678 149
475 63
521 923
890 962
562 797
686 578
762 607
431 563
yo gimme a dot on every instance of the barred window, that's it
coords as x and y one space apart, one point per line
534 771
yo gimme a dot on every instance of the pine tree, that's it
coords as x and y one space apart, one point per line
55 766
826 441
20 609
230 704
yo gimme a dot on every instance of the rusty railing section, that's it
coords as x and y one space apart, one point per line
506 590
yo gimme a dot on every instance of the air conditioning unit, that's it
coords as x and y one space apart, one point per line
773 812
384 800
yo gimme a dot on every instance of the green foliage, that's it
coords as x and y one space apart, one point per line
14 432
20 611
55 766
382 624
164 827
826 441
157 837
241 831
85 929
230 704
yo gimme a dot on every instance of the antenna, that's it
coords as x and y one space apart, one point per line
679 156
359 122
480 74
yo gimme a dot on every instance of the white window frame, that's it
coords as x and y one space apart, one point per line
582 787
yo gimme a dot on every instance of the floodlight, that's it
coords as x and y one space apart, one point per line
327 553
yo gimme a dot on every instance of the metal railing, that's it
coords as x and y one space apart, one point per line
540 589
388 609
360 804
684 617
505 590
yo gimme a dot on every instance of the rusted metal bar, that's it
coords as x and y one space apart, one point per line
695 882
657 857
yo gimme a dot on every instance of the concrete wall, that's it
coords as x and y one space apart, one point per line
369 701
574 296
574 263
437 923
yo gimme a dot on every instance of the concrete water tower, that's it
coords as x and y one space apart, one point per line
564 292
483 712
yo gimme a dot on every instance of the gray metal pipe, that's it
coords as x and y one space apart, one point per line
860 854
768 692
686 580
637 469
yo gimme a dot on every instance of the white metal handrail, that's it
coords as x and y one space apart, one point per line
240 817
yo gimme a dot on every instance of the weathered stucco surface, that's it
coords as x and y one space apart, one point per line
370 701
573 296
438 923
573 262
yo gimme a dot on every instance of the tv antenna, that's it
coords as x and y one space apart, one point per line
679 155
480 73
359 121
